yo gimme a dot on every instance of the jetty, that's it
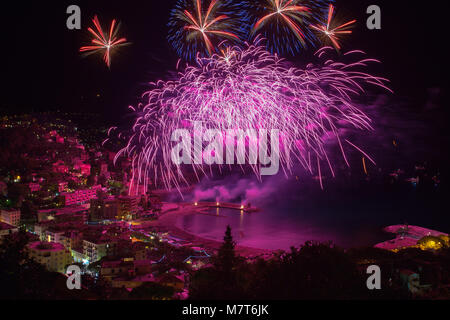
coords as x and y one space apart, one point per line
226 205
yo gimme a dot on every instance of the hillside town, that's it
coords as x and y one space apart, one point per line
73 203
70 200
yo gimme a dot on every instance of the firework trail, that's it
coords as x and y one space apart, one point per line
102 42
288 12
196 26
333 33
251 89
284 23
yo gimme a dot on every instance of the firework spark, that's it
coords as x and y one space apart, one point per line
289 12
284 23
333 33
310 107
102 42
194 29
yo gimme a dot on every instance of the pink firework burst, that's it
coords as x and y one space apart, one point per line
250 89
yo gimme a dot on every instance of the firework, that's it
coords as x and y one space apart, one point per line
104 42
196 26
284 23
252 88
333 33
288 12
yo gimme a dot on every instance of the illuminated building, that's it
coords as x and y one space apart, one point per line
84 168
39 230
79 257
63 186
6 229
11 217
54 256
102 209
170 280
34 186
131 283
125 267
103 168
408 236
80 196
66 214
128 207
60 167
53 235
431 243
95 249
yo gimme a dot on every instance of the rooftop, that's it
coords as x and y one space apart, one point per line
10 210
397 243
46 246
5 226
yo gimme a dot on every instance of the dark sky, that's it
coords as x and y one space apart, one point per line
44 70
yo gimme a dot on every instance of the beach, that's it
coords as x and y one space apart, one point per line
168 221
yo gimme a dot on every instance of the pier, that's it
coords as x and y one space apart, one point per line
226 205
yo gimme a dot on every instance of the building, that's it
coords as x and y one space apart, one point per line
46 215
432 243
34 186
54 256
131 249
132 283
171 280
11 216
6 229
79 257
60 167
84 168
95 249
66 214
40 229
54 235
103 168
408 236
128 207
63 186
104 209
125 268
71 239
80 196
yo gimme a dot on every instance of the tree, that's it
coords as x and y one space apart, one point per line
226 256
224 279
152 290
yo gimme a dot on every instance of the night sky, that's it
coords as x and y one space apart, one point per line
44 70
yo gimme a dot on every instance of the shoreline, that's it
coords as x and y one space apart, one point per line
168 220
